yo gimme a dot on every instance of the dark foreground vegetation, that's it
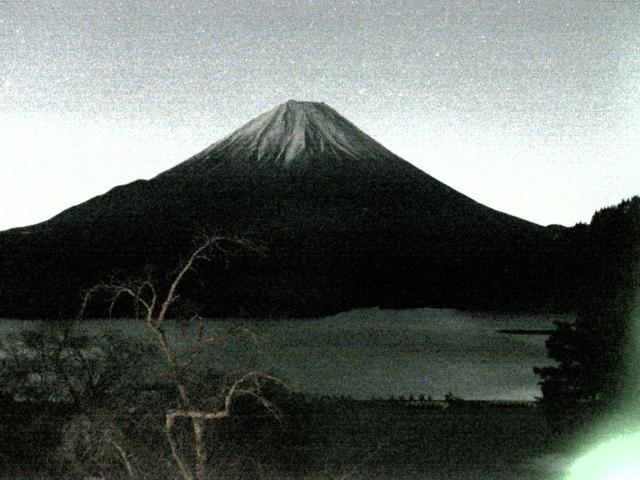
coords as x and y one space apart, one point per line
335 439
69 414
107 405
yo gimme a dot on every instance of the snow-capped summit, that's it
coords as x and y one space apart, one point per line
295 134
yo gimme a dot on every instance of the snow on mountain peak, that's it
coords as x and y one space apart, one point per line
296 133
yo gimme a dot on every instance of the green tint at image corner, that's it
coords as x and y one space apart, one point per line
617 459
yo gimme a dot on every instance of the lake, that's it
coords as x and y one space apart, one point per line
384 353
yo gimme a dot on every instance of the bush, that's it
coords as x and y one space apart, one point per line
52 375
58 362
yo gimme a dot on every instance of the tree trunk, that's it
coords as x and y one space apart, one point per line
182 466
201 451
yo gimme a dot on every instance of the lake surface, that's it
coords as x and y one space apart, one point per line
384 353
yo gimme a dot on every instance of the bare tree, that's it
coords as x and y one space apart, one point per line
153 305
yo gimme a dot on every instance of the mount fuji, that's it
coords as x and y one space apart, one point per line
345 222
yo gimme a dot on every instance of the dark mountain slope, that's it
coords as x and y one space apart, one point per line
347 223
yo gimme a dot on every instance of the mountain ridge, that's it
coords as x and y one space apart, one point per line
347 222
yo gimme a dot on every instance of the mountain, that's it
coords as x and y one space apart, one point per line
295 135
345 222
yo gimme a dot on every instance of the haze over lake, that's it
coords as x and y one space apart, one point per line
383 353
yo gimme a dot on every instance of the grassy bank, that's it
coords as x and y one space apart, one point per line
334 439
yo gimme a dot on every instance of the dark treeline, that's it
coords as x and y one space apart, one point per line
595 352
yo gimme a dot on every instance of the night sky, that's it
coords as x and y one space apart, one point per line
530 107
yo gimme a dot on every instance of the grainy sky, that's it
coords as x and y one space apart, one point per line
531 107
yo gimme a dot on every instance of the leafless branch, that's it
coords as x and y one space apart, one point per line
156 307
